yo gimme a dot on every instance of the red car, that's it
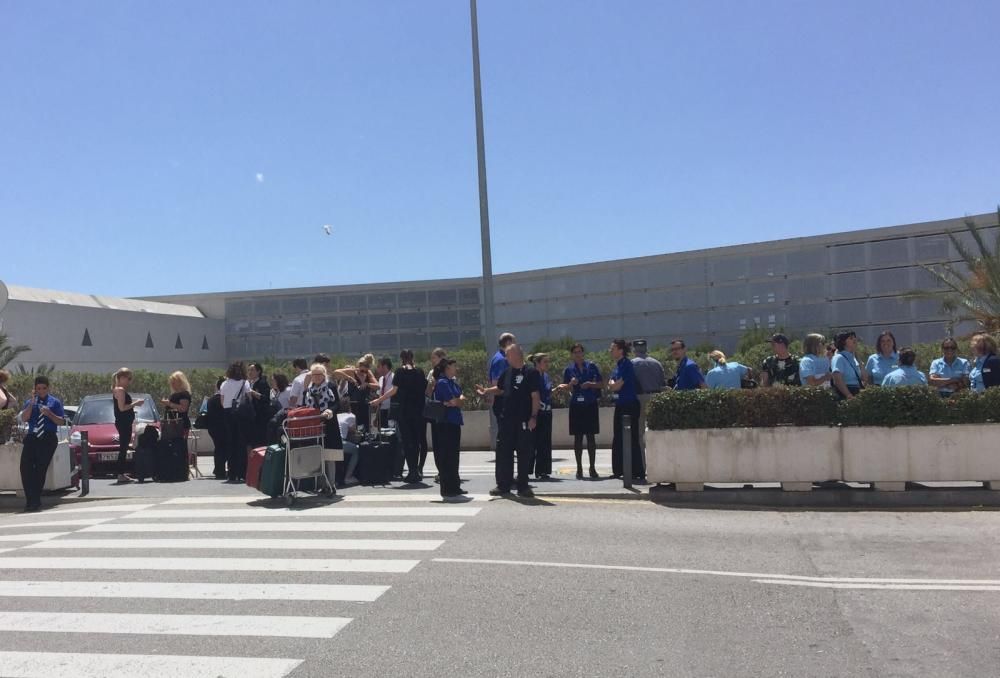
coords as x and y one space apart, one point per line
96 416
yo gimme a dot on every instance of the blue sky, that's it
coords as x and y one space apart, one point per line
191 146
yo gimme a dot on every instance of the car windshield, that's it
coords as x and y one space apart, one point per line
101 411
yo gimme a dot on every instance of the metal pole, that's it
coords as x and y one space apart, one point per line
627 451
84 463
489 325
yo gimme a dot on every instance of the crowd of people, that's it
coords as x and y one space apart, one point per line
247 409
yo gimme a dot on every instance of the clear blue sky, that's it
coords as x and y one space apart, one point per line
203 145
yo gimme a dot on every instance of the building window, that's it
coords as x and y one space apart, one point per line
86 338
149 340
178 343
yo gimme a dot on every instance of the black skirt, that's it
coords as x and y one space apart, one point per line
584 419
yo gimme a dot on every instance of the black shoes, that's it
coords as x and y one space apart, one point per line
594 474
579 474
525 492
499 492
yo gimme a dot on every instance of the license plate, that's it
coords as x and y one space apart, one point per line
109 456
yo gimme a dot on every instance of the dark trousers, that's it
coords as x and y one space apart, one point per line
36 455
411 429
543 444
638 468
513 437
446 452
219 442
236 448
124 438
422 441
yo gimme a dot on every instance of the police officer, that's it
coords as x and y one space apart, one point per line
520 386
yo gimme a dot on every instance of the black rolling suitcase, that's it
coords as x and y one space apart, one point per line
144 458
172 461
376 461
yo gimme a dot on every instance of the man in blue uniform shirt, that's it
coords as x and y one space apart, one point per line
906 374
689 376
498 365
43 414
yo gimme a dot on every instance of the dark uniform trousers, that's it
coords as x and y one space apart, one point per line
513 437
543 444
36 455
617 442
411 428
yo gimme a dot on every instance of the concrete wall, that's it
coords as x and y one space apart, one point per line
55 333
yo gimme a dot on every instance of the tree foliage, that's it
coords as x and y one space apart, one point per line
9 351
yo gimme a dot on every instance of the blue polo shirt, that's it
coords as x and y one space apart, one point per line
586 372
41 424
959 367
498 364
905 375
445 390
688 375
813 366
726 376
845 363
878 366
545 393
625 372
976 375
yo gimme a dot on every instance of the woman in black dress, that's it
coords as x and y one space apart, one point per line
124 418
260 391
178 405
583 379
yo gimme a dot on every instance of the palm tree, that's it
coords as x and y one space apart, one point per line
8 351
974 293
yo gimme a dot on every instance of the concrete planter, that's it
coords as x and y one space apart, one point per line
476 431
798 456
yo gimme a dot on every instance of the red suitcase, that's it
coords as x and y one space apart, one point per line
255 462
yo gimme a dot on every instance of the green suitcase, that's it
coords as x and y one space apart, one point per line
272 473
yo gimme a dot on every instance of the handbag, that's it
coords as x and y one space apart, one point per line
435 410
171 427
245 411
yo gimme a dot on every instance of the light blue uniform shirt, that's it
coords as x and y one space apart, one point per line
958 368
976 375
905 375
845 363
726 376
878 366
813 366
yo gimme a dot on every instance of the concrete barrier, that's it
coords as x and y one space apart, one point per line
798 456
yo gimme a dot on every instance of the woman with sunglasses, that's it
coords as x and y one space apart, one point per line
361 385
583 380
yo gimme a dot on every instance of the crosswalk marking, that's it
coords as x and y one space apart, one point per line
58 523
173 624
211 564
31 536
325 512
227 544
101 508
356 526
346 499
38 664
189 591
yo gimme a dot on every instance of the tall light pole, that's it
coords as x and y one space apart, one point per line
489 324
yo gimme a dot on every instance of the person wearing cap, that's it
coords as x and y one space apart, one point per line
905 374
782 368
949 373
650 380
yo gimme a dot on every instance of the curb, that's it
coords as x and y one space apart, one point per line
837 499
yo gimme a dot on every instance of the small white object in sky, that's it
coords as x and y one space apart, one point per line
260 178
328 228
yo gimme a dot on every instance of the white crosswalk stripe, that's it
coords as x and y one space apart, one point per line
243 579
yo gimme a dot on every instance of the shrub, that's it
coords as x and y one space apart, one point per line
901 406
768 407
7 420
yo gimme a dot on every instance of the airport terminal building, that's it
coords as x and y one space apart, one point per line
855 279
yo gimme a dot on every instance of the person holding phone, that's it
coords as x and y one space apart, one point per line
43 414
124 418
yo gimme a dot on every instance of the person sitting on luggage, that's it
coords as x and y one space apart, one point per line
348 433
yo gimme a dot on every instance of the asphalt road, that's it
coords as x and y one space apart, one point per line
586 588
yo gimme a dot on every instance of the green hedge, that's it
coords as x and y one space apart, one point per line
7 418
768 407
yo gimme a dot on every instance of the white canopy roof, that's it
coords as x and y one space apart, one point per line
40 296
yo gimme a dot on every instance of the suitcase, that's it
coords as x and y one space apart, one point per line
171 461
302 422
376 460
255 463
145 463
272 472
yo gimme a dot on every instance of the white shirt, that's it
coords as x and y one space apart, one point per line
283 398
230 389
298 387
384 385
347 421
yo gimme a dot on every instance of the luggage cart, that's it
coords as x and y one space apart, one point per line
305 455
